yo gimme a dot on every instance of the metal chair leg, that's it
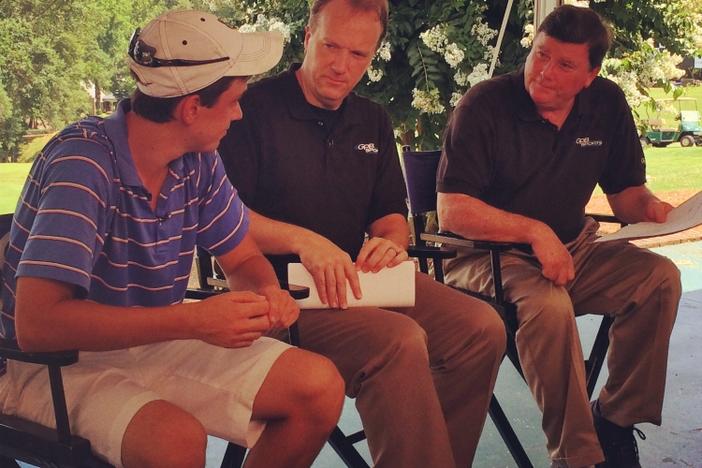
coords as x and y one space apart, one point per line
508 435
345 449
233 456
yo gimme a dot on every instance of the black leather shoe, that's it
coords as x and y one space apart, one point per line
618 443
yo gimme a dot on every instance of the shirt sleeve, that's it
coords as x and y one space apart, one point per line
223 217
626 164
70 195
467 159
389 191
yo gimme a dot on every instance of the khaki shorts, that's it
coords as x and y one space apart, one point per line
104 390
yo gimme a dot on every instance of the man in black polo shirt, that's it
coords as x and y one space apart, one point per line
322 162
522 155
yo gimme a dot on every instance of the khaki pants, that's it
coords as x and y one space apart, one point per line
422 376
640 289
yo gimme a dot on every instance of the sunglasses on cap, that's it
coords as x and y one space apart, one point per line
144 55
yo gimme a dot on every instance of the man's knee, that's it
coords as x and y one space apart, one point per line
404 339
304 385
667 275
492 331
163 435
551 310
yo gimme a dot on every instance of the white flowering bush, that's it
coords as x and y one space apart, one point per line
264 23
432 54
636 72
435 51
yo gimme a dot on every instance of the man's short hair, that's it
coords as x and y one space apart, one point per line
160 110
578 25
379 6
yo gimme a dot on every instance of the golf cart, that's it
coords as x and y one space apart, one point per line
677 121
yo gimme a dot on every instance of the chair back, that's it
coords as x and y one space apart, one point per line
420 179
5 224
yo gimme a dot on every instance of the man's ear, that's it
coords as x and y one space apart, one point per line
592 75
308 33
188 109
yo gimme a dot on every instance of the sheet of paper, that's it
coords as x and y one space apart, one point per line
390 287
685 216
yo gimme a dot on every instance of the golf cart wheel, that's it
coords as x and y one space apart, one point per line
687 140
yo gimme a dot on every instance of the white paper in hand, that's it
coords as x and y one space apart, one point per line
685 216
390 287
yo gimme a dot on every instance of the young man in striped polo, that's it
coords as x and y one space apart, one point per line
100 252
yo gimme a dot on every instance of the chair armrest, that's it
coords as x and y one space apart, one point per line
439 253
605 218
10 350
296 291
454 240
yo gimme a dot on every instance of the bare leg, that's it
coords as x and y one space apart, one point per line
301 400
163 435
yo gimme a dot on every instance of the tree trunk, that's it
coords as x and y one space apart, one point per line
97 103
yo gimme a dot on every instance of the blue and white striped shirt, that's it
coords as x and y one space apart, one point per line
84 218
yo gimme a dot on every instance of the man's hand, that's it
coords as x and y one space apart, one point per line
282 311
233 319
657 210
330 267
378 253
556 261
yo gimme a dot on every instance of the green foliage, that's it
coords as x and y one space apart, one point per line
412 68
50 50
671 23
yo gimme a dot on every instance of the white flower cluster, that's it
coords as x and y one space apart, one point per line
482 32
455 97
384 51
454 55
374 74
479 73
627 82
268 24
427 101
437 40
460 78
661 68
489 51
528 36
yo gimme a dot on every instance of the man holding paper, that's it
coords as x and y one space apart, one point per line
319 165
522 155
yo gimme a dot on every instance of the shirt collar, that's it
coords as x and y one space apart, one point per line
116 129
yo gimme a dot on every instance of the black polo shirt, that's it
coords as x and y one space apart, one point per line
498 149
289 166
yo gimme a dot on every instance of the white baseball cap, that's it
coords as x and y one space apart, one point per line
183 51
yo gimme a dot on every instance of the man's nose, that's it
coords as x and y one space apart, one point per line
546 70
238 113
340 62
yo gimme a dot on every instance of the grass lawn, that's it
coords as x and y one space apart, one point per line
12 176
30 149
674 168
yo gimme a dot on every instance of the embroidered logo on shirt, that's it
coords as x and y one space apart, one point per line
586 141
369 148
